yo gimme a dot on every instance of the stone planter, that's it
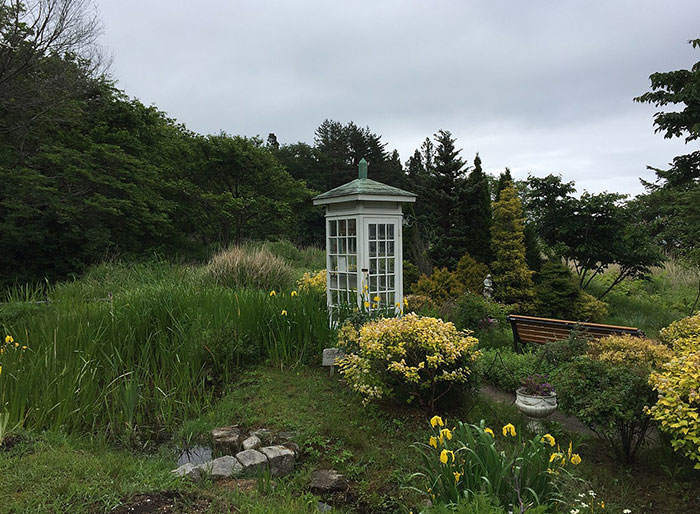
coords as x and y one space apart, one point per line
535 407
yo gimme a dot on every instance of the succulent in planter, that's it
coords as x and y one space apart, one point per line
536 399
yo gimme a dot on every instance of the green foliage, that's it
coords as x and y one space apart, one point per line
410 276
512 278
593 231
560 296
505 369
478 504
471 273
240 267
466 461
474 312
608 390
441 286
475 211
132 365
417 358
678 384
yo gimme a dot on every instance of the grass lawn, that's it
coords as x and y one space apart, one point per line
50 472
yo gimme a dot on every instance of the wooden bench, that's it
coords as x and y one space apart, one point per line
529 329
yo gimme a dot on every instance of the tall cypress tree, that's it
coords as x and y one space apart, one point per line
475 214
511 275
503 179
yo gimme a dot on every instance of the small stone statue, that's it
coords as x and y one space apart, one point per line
488 287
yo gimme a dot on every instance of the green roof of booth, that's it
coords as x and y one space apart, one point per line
363 188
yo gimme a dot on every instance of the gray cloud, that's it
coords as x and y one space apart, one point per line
539 86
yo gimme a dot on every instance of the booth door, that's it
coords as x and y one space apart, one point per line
382 253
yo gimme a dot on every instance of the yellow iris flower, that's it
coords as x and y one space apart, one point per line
433 441
548 438
294 293
509 429
273 293
575 459
435 421
446 433
444 454
376 299
8 339
457 474
490 432
284 313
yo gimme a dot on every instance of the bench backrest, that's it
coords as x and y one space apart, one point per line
529 329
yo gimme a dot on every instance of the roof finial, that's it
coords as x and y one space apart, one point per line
362 168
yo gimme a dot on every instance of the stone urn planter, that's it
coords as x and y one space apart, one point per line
535 406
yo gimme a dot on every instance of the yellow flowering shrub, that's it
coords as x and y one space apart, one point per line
417 358
312 282
629 350
677 410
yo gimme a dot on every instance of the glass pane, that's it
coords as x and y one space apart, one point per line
390 298
382 266
391 282
352 282
342 281
334 281
372 248
373 283
342 227
341 245
390 231
332 228
352 228
390 265
342 263
334 263
382 283
390 248
383 297
352 263
373 266
334 245
372 231
382 248
382 231
352 245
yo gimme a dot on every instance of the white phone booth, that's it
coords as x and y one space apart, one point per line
364 256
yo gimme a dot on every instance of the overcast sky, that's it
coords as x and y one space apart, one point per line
538 86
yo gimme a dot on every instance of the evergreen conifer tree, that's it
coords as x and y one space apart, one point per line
503 179
512 277
475 214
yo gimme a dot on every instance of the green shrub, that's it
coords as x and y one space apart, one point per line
441 286
413 358
608 390
478 504
589 308
557 291
557 353
560 296
474 312
678 385
411 274
505 369
466 461
241 267
471 274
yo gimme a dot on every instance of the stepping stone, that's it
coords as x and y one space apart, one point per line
252 443
223 467
227 440
281 459
327 481
253 462
265 435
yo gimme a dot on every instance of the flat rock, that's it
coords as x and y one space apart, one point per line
265 435
292 446
227 440
327 481
286 436
252 443
281 459
324 507
252 461
188 470
223 467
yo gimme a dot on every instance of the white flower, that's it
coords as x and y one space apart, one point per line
574 511
591 493
626 511
581 495
584 505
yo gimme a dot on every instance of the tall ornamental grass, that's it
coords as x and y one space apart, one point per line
157 353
